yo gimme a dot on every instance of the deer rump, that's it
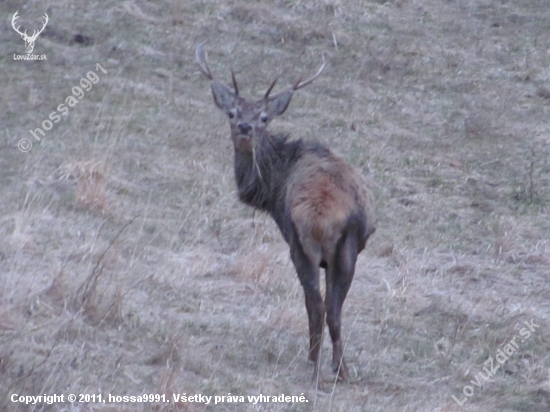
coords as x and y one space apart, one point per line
326 200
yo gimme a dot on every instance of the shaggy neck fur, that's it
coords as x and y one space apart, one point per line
261 181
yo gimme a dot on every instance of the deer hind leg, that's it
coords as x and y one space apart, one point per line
339 275
308 273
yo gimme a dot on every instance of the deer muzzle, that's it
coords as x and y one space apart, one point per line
244 128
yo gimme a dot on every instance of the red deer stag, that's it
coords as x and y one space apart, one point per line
320 204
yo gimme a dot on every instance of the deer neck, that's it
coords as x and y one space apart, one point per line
261 176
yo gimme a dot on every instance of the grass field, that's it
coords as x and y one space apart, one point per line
128 266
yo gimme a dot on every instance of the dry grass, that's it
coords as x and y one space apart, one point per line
128 266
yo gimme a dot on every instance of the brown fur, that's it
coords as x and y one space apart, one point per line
322 194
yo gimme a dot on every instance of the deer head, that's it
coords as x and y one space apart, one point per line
29 40
248 119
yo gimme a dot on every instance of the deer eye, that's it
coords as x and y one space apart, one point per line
232 113
263 118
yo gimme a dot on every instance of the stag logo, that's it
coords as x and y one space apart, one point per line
29 40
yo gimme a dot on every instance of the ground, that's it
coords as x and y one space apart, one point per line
128 266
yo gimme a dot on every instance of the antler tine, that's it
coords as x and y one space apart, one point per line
46 20
35 33
299 84
203 62
13 23
271 86
234 82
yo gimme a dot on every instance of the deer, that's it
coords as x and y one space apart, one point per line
320 204
29 40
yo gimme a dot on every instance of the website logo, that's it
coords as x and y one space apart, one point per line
29 40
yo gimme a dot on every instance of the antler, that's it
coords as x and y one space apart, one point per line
271 86
202 60
15 16
35 32
234 82
299 84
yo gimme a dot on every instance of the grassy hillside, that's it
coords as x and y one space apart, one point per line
128 266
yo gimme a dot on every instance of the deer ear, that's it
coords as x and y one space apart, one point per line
223 96
278 104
